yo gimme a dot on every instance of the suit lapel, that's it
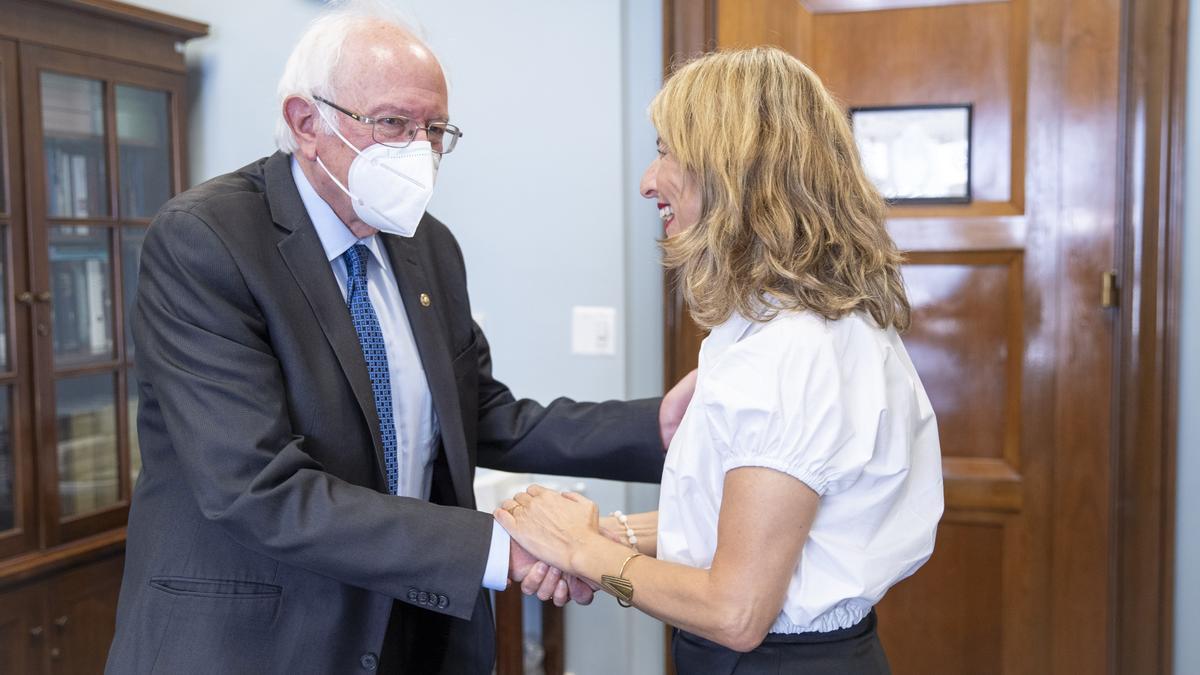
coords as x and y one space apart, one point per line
305 259
435 358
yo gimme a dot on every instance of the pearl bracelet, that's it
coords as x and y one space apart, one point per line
629 533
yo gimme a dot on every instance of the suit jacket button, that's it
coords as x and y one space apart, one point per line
369 661
443 602
423 598
412 594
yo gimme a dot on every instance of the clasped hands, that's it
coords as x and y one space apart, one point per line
548 528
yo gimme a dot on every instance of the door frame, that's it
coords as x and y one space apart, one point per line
1148 266
1146 401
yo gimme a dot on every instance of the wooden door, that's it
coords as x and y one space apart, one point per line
81 617
22 635
1009 333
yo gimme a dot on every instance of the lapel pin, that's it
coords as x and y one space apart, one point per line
425 300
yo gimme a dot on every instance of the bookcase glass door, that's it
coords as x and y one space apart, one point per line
17 533
109 161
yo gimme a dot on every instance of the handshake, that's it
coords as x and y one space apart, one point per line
546 582
553 537
551 530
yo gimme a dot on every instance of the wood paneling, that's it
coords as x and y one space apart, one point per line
21 633
842 6
510 635
88 30
973 484
966 317
184 29
947 234
683 336
47 561
689 28
510 632
962 583
1154 189
955 54
757 22
61 624
82 617
553 639
1086 223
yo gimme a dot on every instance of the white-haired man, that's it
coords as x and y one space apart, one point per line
315 398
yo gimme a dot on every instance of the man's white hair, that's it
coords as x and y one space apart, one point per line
310 69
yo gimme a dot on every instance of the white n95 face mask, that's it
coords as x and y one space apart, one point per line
389 187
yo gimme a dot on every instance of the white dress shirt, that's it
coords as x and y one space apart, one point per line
836 405
416 421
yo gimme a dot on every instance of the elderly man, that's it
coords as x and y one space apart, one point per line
315 398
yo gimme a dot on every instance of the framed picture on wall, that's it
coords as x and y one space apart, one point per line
917 154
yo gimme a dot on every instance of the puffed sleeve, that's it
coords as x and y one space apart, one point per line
794 400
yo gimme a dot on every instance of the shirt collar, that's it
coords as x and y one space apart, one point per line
726 334
335 237
734 330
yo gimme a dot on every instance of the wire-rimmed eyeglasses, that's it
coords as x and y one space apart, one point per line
399 132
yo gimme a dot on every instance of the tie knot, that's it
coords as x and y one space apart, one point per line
356 262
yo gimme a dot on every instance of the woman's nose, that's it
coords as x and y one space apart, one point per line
647 186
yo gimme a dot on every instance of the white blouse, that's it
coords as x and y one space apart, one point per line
838 406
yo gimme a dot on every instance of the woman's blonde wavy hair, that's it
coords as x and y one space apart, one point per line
789 220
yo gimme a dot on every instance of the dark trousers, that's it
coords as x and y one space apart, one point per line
850 651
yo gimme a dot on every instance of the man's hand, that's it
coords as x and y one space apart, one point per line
548 583
674 404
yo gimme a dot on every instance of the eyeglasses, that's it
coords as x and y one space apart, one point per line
399 132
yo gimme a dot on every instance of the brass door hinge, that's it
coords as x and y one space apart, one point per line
1109 293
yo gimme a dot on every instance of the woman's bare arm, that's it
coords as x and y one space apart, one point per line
764 521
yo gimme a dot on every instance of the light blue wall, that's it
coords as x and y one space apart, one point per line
542 195
1187 522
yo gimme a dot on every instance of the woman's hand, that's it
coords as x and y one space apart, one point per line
550 525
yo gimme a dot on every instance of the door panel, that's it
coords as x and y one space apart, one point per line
81 617
22 635
953 599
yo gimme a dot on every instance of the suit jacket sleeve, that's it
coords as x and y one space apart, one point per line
616 440
204 349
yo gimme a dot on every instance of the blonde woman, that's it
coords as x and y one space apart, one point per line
805 478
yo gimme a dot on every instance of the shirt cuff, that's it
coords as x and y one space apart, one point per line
495 575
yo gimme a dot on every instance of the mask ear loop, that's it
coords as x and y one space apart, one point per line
324 168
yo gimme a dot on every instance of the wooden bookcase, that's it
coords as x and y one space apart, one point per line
92 137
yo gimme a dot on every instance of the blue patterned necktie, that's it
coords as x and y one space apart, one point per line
370 337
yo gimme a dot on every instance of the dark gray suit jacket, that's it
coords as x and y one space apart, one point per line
261 537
